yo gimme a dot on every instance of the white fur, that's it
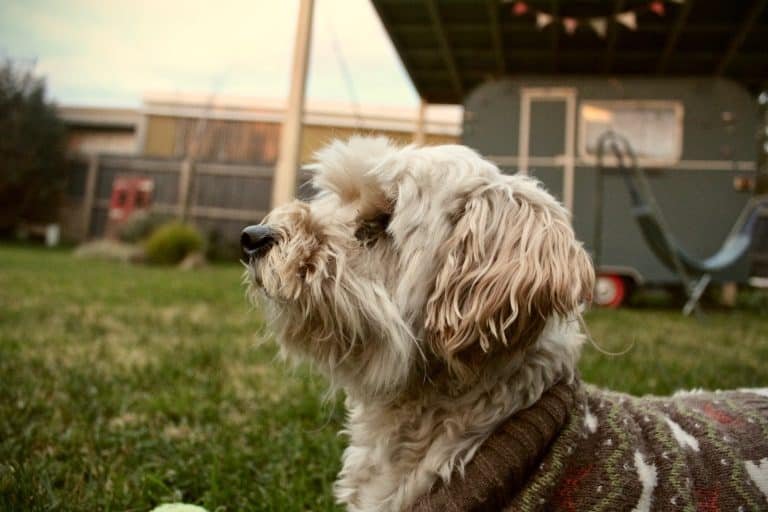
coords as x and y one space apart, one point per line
758 472
756 391
590 420
683 438
463 311
680 393
370 482
647 475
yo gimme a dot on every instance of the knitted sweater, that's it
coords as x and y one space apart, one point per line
580 448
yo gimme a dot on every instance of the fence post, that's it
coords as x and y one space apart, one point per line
90 194
185 183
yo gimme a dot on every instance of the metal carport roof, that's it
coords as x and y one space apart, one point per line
450 46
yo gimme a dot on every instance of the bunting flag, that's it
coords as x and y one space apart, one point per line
628 19
657 7
570 25
599 25
543 19
520 8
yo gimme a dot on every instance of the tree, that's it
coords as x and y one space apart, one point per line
32 151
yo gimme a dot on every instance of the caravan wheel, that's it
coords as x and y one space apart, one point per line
610 291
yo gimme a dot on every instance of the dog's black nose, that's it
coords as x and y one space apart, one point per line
256 240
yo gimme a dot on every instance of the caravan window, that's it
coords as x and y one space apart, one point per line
654 128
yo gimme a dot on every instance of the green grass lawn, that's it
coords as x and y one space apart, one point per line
123 387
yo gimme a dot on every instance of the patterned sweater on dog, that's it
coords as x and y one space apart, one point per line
584 449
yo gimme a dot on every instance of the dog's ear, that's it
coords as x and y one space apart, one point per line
511 262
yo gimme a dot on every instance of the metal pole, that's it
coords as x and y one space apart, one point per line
597 237
570 151
761 176
284 183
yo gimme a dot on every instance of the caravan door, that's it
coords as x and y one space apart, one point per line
547 138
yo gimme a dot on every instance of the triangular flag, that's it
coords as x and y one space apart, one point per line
657 7
570 25
520 8
543 19
599 25
628 19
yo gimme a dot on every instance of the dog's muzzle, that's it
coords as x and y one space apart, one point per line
256 240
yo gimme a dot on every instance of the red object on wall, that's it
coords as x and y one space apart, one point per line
129 195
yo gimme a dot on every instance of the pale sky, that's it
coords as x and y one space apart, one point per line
110 52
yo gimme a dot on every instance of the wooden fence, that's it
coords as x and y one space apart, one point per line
218 198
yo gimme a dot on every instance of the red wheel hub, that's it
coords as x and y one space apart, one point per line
610 291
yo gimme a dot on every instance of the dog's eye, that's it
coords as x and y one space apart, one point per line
370 230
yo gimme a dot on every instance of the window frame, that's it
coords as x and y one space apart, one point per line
610 160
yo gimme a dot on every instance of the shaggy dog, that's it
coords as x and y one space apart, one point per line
444 298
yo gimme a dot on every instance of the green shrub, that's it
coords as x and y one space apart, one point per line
138 227
171 242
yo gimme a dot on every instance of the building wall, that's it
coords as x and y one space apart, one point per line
212 140
92 130
94 140
160 136
229 141
233 154
315 137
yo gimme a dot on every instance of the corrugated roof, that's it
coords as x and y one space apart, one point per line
450 46
100 117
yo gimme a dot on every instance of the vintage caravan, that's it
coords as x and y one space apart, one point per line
693 137
540 82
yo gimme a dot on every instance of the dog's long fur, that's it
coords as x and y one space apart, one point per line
440 294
